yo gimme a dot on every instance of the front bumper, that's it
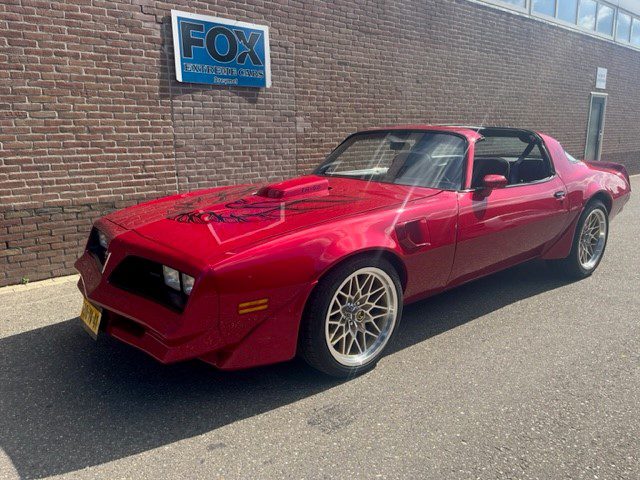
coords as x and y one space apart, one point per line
164 333
238 341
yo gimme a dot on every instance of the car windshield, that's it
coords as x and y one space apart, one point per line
417 158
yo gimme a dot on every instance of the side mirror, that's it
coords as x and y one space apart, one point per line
489 182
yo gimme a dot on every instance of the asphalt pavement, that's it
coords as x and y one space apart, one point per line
518 375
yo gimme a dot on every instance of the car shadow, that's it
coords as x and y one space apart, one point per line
68 402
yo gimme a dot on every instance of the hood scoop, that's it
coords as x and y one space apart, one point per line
295 187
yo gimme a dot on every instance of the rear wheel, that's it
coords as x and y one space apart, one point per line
589 243
351 316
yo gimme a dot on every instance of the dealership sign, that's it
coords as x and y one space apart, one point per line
217 51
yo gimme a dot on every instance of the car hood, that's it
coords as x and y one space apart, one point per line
208 223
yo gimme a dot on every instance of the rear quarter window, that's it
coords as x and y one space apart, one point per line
571 158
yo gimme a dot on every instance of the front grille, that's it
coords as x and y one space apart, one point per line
93 245
144 277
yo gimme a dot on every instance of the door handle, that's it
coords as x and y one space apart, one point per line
560 194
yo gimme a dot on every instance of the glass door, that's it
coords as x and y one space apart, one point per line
595 127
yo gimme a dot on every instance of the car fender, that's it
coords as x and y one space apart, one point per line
579 200
282 273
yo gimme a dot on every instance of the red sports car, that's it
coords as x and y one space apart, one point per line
321 265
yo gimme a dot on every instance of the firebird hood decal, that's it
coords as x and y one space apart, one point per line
243 210
155 210
227 220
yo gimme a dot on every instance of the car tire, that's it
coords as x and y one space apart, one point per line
350 317
589 243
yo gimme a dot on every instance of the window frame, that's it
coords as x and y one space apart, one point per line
529 12
605 96
595 18
565 22
543 149
510 6
634 20
544 15
615 27
571 158
464 166
614 17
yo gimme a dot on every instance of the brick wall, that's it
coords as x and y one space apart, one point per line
91 118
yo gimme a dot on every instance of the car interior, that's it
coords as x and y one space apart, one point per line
436 160
515 154
414 168
412 158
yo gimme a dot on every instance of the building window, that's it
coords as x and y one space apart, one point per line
587 14
517 3
635 33
623 29
568 10
546 7
599 17
605 19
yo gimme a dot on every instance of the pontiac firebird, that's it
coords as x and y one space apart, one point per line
321 265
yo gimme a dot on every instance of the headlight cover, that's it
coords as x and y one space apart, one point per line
177 280
103 240
187 283
171 277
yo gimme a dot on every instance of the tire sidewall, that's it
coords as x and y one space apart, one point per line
318 305
575 254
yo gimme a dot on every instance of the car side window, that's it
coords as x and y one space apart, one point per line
516 155
571 158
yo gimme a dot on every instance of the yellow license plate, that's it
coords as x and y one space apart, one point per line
91 316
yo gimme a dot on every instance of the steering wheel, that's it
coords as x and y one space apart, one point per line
425 158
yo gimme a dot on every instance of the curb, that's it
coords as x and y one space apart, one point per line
39 284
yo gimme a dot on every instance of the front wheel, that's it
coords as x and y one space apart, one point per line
589 243
351 316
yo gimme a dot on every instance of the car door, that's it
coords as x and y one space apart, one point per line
426 232
504 226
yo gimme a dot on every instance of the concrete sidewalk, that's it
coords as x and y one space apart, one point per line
35 305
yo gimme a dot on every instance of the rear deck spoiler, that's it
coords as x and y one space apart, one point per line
611 167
